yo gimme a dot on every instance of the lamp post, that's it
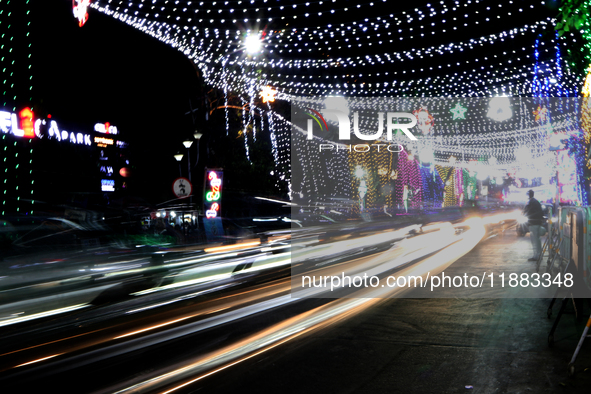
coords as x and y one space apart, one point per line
179 157
187 145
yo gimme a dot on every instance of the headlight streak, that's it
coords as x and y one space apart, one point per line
153 327
219 271
52 312
184 283
182 298
232 247
324 250
38 360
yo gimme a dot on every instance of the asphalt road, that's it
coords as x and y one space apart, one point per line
436 345
418 345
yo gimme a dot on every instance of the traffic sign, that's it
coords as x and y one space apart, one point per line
182 187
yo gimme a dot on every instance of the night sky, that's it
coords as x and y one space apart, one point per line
107 71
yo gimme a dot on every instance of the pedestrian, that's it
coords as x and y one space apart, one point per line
535 219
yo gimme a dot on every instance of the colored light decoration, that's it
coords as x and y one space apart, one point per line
470 185
425 120
268 94
540 114
567 177
499 109
575 16
586 126
80 10
409 178
213 193
459 186
448 179
458 112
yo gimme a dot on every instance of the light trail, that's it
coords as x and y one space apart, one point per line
52 312
304 323
450 247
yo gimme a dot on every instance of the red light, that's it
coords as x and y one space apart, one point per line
125 172
48 116
26 116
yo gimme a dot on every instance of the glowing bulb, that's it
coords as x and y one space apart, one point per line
359 173
252 43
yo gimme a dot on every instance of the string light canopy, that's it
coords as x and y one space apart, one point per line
356 48
380 48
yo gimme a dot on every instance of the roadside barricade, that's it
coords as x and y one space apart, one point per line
569 252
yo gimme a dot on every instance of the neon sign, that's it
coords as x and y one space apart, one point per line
53 132
213 211
24 125
213 193
9 123
108 170
80 10
105 128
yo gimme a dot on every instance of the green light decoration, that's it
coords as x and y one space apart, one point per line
574 16
459 112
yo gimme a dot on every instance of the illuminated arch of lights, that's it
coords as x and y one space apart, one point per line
443 48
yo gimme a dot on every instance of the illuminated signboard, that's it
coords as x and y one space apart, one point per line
24 125
107 170
53 132
212 202
108 185
105 128
102 141
20 125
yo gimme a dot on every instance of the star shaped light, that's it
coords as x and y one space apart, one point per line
268 94
541 114
459 112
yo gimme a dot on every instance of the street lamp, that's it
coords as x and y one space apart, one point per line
179 157
187 144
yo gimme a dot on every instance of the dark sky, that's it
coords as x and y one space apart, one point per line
106 71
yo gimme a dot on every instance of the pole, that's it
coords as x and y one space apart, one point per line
189 173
